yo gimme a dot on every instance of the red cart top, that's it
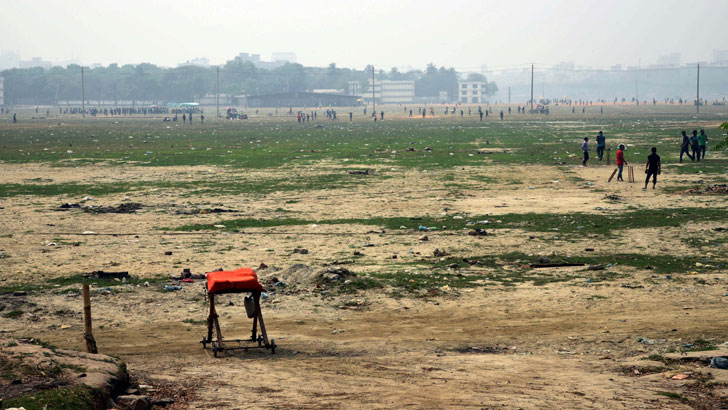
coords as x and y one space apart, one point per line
235 281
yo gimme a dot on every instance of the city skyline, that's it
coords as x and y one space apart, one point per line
464 35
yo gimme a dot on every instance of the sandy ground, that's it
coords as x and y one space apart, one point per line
559 345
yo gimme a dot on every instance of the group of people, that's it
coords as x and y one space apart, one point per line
653 166
698 144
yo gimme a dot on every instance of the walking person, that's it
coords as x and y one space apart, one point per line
621 162
702 143
585 148
15 118
652 168
684 147
695 145
601 143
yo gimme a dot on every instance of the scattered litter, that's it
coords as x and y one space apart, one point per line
680 376
423 238
302 251
478 232
719 362
172 287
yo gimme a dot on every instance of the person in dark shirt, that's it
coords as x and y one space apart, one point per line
685 147
695 145
652 168
601 144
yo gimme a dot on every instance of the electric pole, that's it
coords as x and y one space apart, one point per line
530 108
217 93
697 101
83 96
374 107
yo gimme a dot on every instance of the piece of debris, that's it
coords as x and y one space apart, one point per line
719 362
337 274
365 172
423 238
680 376
438 253
167 253
478 232
127 208
595 267
302 251
99 274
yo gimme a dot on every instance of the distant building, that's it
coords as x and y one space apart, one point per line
354 88
197 62
2 91
35 62
284 56
9 59
302 99
443 97
669 60
472 91
255 59
720 57
391 92
337 91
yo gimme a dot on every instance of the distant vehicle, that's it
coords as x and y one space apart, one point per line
231 113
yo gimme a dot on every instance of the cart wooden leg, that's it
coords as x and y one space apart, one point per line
209 317
259 315
213 315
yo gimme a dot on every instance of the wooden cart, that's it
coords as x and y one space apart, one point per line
239 281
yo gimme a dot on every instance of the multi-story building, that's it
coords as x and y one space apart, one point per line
354 88
471 91
391 92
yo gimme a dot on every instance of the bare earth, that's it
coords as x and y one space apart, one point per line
562 345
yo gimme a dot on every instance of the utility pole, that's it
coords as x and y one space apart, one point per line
374 107
697 101
530 104
83 96
217 93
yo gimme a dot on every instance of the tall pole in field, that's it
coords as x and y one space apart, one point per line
217 93
374 107
83 96
697 100
530 104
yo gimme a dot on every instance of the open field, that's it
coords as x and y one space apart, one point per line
459 320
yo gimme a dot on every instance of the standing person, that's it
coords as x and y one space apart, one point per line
694 145
202 118
15 118
585 148
410 115
190 118
684 147
601 143
184 117
501 115
652 168
351 114
621 162
702 143
382 114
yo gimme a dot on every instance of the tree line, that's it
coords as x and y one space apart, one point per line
148 83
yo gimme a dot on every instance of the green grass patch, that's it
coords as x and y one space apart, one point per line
73 397
80 279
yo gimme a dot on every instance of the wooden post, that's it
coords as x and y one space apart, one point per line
88 334
609 154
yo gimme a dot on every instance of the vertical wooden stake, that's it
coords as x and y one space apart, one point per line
88 334
609 153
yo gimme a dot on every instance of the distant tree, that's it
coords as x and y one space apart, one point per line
723 144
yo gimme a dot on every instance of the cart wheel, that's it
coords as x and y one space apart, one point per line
272 346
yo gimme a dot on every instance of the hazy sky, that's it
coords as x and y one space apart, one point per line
460 33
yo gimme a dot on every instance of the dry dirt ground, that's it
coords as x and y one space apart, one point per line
570 344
